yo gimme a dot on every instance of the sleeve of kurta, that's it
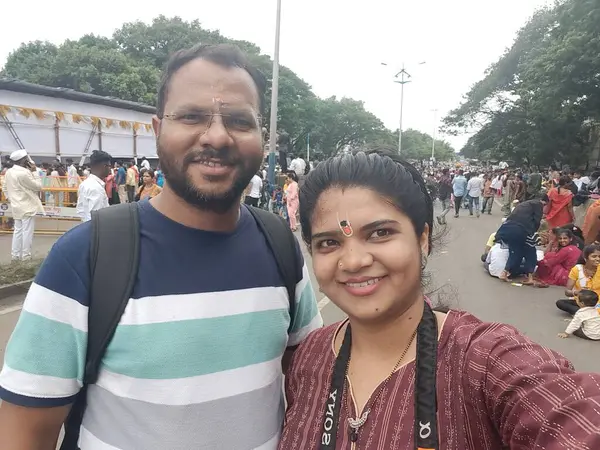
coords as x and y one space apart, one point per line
532 395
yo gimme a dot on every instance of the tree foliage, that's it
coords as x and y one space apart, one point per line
540 102
128 66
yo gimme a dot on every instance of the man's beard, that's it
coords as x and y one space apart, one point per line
176 176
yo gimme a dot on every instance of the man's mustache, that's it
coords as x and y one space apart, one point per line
223 155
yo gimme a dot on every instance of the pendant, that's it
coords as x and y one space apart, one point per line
355 424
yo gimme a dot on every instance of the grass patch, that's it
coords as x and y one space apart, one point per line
19 271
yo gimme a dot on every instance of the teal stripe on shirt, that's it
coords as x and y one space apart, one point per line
197 347
52 349
306 308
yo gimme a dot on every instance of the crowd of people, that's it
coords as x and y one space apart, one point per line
538 242
93 186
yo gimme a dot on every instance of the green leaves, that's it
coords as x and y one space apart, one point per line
539 102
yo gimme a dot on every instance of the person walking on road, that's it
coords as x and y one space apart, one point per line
474 190
459 188
397 373
120 179
92 195
198 356
488 195
444 194
131 183
22 185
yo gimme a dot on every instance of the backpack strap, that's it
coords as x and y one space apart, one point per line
282 242
114 262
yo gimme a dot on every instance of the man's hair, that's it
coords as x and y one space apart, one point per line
224 55
99 157
69 161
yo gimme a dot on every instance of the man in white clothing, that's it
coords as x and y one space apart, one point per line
474 190
91 195
298 165
22 186
253 191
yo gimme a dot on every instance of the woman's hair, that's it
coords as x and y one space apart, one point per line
587 297
293 175
149 172
587 251
564 180
578 232
566 231
383 172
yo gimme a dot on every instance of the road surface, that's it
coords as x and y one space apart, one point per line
456 267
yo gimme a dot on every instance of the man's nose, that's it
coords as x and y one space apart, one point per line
216 135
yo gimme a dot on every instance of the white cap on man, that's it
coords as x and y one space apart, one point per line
18 155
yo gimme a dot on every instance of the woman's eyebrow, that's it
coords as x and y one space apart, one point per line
369 226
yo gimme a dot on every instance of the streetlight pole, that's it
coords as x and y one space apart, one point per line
274 98
404 78
433 135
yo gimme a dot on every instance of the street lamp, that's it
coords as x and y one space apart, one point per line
404 78
274 98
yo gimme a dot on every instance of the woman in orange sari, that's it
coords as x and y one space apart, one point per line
559 210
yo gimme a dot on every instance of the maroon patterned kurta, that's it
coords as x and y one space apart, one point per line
496 390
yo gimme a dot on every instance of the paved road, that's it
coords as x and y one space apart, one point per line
456 267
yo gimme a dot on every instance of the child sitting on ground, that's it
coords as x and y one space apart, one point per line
586 321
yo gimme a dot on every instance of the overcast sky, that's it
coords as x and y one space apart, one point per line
337 46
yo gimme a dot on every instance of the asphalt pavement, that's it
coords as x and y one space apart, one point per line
457 274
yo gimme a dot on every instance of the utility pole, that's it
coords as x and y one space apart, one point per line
274 98
433 135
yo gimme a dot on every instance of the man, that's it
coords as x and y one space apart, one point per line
253 190
131 183
195 362
91 195
488 194
72 179
145 165
474 190
22 185
120 178
444 194
298 165
459 188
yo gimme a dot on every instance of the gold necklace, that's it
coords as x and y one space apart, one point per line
356 424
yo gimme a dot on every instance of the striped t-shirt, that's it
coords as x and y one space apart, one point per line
195 362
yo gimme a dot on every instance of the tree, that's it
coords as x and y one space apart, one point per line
539 103
128 66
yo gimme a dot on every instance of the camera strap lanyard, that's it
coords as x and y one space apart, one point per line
426 433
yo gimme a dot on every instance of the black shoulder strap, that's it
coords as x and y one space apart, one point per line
283 245
114 261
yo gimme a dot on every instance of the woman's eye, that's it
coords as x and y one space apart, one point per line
380 234
328 243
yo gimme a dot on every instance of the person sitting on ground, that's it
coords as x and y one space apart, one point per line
585 323
585 275
557 263
488 246
519 233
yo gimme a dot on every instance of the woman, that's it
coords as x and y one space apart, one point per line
591 223
367 221
557 263
291 195
559 210
585 275
519 234
148 189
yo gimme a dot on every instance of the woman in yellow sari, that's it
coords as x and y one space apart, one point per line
583 276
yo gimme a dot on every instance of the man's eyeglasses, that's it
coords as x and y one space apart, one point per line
234 122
